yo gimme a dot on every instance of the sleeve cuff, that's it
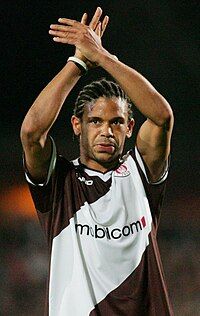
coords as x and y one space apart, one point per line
50 171
141 164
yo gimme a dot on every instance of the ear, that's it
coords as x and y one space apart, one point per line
76 124
130 127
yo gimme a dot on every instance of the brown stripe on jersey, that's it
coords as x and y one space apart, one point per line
138 294
64 195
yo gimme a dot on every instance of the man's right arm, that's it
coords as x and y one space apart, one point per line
45 109
40 118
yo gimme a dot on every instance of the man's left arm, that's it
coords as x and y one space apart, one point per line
154 136
153 143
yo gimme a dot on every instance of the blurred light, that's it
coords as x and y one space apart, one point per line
17 200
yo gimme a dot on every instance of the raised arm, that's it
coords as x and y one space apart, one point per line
154 136
45 109
153 140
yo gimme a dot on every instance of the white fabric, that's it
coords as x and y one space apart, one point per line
104 176
163 176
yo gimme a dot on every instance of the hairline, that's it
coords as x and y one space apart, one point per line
92 102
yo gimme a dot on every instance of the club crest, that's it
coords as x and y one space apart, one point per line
122 171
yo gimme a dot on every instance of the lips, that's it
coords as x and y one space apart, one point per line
105 147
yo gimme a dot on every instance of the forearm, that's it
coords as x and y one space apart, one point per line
48 104
145 97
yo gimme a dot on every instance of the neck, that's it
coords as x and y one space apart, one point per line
100 166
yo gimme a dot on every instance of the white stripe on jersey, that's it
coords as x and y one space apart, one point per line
101 247
163 176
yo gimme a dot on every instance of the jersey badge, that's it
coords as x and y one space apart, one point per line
122 171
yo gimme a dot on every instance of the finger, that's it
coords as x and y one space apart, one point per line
68 21
65 40
96 18
58 33
98 29
104 24
84 18
64 28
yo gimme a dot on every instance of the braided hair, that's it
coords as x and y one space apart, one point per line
100 88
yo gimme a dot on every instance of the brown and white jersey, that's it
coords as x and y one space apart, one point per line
101 231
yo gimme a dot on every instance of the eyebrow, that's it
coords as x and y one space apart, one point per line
119 118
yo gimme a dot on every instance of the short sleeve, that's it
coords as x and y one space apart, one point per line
50 171
164 175
155 191
47 194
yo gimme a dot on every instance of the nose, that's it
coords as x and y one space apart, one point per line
106 130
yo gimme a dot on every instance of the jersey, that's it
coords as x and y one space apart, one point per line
101 231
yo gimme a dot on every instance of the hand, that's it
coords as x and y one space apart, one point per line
87 39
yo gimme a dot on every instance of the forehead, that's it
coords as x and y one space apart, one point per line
107 108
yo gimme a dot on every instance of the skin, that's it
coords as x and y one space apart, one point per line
154 136
103 130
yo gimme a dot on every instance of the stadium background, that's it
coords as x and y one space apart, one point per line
159 39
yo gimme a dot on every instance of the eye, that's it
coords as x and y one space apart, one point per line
95 121
117 121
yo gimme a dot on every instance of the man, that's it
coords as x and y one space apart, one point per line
100 212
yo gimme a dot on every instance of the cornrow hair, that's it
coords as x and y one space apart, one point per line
100 88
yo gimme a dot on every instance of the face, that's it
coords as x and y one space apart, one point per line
103 130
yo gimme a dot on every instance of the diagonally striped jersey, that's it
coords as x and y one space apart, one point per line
101 231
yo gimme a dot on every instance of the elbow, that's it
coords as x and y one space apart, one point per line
29 136
162 115
169 120
166 116
26 135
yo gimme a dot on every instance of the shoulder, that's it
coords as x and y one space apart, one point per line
143 169
59 166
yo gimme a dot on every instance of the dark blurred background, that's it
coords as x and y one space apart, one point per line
160 40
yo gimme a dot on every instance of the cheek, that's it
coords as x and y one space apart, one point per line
87 136
92 132
121 134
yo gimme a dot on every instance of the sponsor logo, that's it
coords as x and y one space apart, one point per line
87 182
122 171
115 233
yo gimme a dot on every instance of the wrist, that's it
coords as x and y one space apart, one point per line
85 60
105 57
79 63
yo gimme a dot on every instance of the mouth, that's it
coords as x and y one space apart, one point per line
105 148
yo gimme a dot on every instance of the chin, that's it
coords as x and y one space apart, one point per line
106 158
